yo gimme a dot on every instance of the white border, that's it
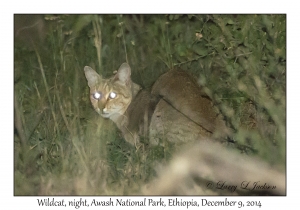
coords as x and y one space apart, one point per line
8 201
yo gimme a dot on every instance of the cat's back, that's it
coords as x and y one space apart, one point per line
181 90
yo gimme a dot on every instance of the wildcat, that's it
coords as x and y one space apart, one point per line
175 110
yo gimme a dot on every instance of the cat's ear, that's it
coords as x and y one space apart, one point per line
123 74
91 75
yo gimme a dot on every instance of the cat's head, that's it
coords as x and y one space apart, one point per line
110 97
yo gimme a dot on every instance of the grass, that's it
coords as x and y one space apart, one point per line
61 145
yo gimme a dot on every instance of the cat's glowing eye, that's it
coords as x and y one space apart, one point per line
112 95
97 95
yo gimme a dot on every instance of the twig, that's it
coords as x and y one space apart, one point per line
97 39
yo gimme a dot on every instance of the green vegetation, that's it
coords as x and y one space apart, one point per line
61 145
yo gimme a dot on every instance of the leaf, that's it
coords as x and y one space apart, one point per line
200 51
176 17
181 50
82 21
190 16
230 22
